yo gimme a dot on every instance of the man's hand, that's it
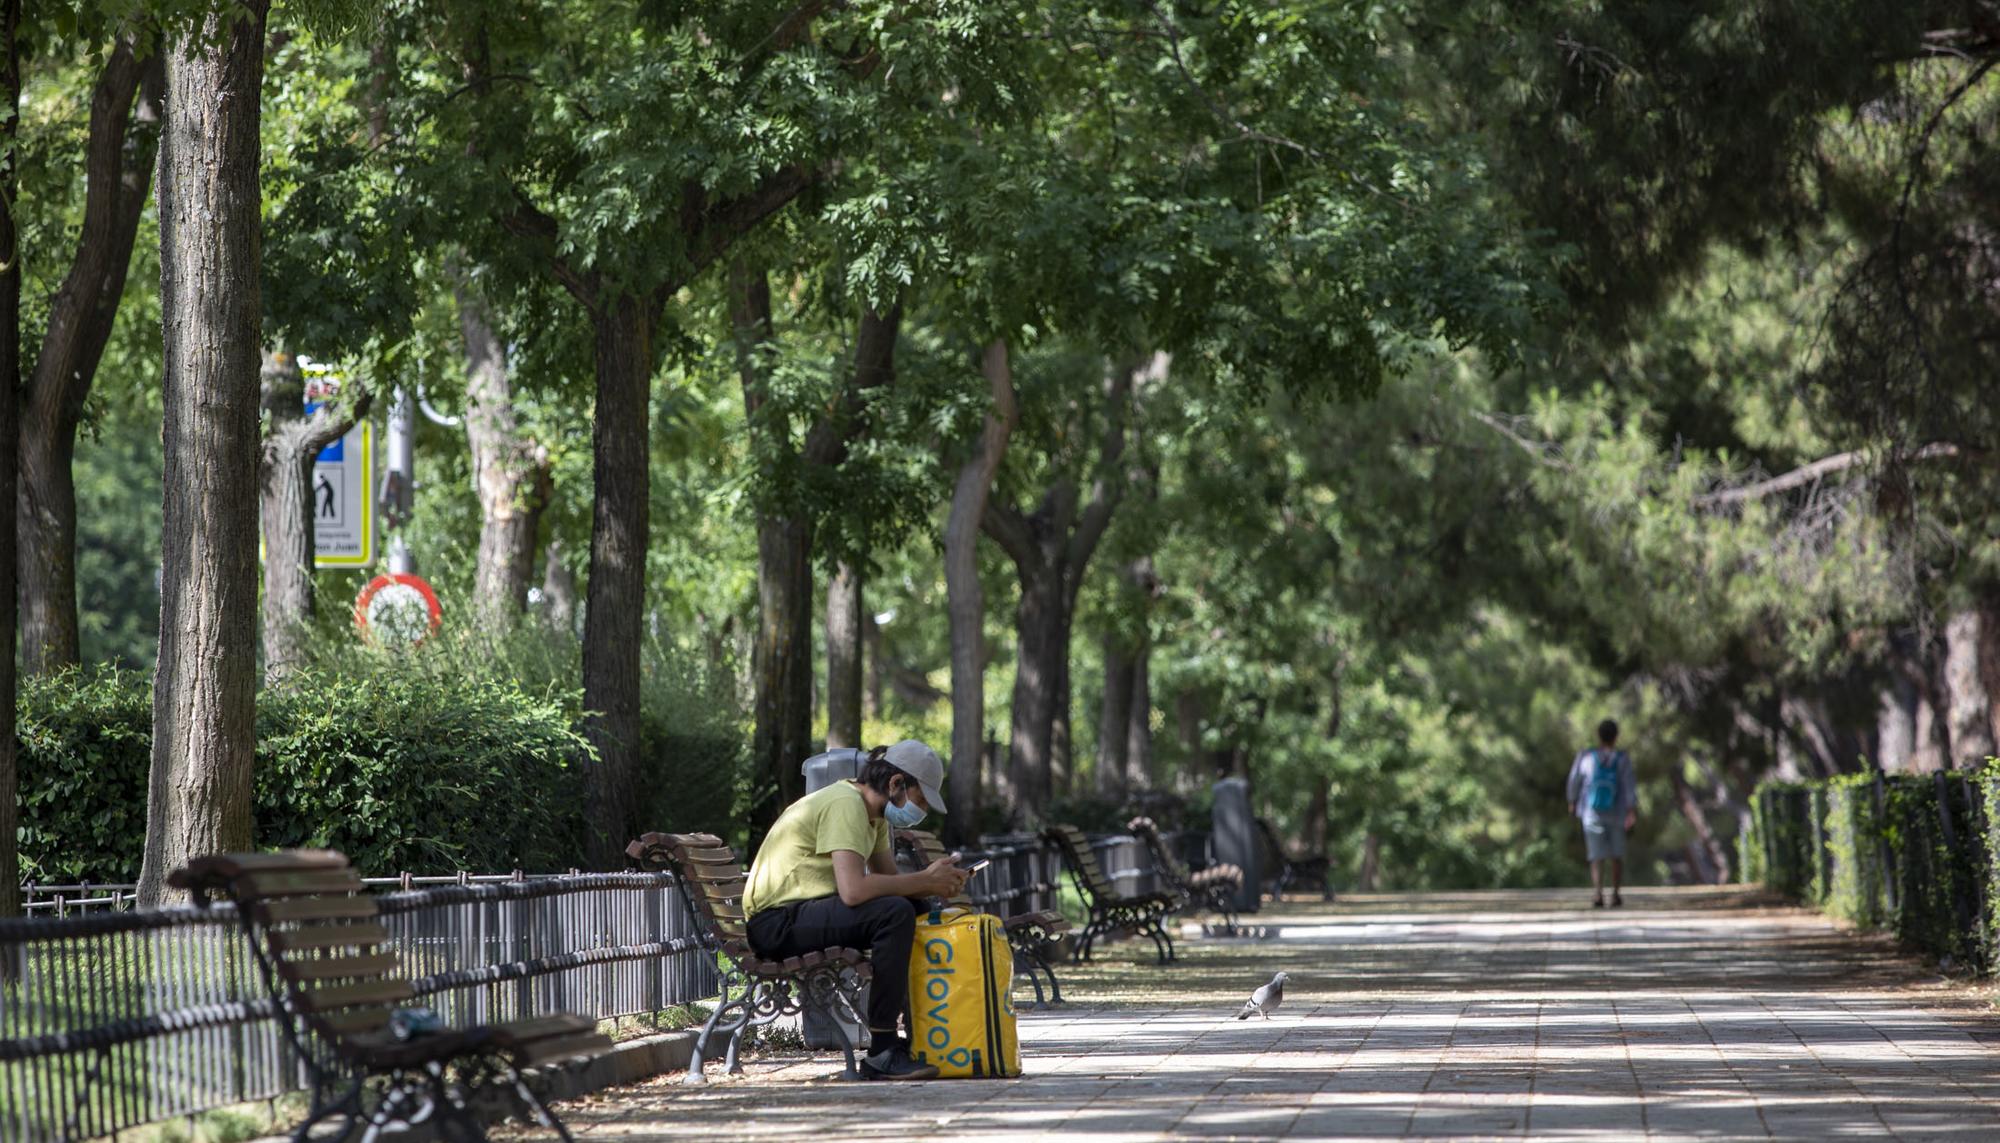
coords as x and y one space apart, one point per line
1572 809
943 878
1631 818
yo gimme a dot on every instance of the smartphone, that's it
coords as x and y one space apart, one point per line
976 867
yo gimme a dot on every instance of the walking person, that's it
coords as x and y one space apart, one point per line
1604 793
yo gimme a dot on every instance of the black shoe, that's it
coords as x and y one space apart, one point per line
1597 903
895 1064
1617 901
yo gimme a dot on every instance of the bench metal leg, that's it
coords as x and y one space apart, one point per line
542 1112
729 1018
1055 985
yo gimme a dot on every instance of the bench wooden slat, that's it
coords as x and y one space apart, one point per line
363 993
302 970
316 909
290 883
528 1029
354 1021
366 934
715 874
562 1048
708 856
723 910
229 866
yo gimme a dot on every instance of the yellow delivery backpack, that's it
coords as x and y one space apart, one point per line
961 1010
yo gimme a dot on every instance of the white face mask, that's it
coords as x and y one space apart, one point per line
904 814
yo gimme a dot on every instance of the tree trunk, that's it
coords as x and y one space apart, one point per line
558 590
871 654
10 385
783 735
965 601
843 658
1038 654
1139 768
1989 658
204 688
284 484
615 602
1714 855
1371 863
783 658
1114 742
1896 726
1314 828
1969 723
118 176
510 473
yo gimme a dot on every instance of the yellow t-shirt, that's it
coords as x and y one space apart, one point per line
796 861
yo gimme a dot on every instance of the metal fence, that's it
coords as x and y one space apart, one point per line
113 1017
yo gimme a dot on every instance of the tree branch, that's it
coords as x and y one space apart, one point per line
874 368
532 225
118 177
1543 452
709 230
1011 530
1819 470
1109 486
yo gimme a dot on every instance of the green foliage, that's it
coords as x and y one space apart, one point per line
85 746
400 770
1914 852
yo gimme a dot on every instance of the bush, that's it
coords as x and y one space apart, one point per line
404 771
401 770
1881 854
85 747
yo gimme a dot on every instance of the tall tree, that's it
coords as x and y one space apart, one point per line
965 598
118 176
1051 548
510 471
204 687
843 656
10 380
292 444
786 521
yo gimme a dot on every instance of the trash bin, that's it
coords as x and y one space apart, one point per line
840 764
1233 835
822 770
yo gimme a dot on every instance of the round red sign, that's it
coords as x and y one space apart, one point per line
397 610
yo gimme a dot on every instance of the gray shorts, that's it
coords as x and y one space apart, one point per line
1604 837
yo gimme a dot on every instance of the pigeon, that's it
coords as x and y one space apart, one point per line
1264 999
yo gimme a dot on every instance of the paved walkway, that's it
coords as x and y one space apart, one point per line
1687 1014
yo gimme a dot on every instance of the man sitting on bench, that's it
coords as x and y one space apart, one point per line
826 877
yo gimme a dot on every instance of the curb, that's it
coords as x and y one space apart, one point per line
625 1063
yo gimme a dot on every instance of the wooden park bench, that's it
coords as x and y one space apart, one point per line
1213 889
1110 910
755 991
1286 871
1031 935
316 936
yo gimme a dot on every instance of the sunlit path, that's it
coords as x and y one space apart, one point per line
1687 1014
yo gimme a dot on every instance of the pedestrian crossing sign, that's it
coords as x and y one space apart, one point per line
343 511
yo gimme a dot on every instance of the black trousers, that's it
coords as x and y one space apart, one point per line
886 927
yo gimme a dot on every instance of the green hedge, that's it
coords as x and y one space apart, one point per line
399 771
1875 851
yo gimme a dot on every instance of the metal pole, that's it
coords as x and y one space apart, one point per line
399 482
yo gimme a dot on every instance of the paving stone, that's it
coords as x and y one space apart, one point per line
1697 1014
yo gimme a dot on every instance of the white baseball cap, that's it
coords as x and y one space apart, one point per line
922 763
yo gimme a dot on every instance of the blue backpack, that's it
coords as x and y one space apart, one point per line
1604 774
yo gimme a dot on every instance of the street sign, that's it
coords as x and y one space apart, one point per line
343 510
397 610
